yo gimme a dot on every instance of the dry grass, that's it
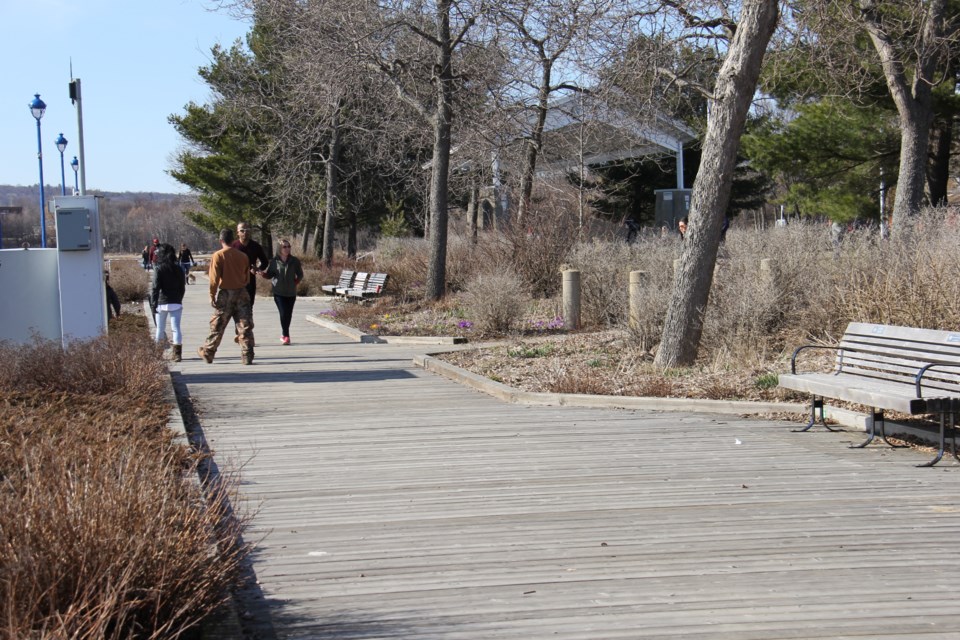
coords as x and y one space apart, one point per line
807 290
104 532
129 280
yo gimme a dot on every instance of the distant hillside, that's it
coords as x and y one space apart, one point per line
10 194
129 219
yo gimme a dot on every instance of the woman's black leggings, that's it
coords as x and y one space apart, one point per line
285 307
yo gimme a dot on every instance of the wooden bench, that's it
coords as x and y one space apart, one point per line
913 371
345 282
373 287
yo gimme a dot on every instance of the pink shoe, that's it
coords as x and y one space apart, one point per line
285 340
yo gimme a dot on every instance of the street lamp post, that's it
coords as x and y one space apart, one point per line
75 165
37 108
61 143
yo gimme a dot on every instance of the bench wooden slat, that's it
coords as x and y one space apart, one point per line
898 369
891 396
915 354
909 334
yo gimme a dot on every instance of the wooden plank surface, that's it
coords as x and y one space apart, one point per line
393 503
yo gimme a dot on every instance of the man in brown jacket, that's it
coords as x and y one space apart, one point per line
229 274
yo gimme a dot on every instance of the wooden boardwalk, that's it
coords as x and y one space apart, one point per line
397 504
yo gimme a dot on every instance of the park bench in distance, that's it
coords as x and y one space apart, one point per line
345 282
913 371
373 287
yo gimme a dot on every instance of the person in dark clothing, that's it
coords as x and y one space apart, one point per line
185 258
255 254
166 297
285 272
145 257
113 301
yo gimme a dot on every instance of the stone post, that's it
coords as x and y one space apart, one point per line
638 282
571 299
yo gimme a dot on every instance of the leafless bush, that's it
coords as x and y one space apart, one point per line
537 247
405 260
104 534
495 300
572 382
129 280
913 279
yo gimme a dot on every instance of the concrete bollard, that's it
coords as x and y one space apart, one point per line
638 282
571 299
767 273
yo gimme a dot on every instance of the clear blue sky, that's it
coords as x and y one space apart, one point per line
137 62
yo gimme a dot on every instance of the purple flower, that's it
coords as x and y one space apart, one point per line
464 324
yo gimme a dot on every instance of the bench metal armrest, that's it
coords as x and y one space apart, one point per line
796 352
920 374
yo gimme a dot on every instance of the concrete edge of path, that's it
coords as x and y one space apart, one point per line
505 393
359 336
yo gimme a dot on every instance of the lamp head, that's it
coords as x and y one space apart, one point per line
61 143
37 107
75 164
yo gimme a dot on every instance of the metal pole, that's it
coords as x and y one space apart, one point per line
679 164
43 203
75 94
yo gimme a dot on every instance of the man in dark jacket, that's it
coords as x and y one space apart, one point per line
255 254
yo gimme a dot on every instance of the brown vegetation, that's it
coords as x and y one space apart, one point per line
773 290
104 530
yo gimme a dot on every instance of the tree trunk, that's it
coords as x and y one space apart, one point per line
733 94
305 238
333 186
535 143
938 171
914 99
473 210
440 167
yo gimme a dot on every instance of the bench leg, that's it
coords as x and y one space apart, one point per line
953 439
815 404
877 416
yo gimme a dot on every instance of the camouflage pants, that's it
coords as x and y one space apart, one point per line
232 304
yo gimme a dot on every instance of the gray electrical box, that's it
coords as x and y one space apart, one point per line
672 206
74 230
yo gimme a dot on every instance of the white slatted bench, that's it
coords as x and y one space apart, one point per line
359 280
374 286
345 282
913 371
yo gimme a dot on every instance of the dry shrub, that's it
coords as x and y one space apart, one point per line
117 364
570 382
651 387
105 532
912 279
405 260
495 301
605 268
537 246
129 280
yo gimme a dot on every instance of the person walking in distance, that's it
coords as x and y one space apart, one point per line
166 297
185 258
285 272
229 275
